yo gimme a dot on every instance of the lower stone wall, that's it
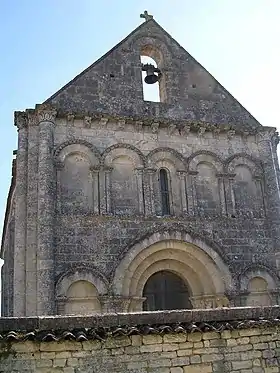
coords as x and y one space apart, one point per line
177 347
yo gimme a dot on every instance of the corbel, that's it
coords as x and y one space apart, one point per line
87 121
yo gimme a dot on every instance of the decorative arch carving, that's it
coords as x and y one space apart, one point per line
81 273
163 251
169 154
159 51
207 157
91 149
254 165
123 149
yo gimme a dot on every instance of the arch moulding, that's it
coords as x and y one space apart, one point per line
199 265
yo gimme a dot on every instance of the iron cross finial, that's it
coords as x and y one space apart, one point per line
146 15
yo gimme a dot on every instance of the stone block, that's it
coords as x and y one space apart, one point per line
159 363
180 361
72 362
58 363
151 348
238 365
211 358
201 368
117 342
173 338
195 359
249 332
151 339
187 352
211 335
170 346
136 340
194 337
44 363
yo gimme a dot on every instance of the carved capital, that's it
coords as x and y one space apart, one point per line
150 170
225 175
192 173
20 119
59 165
46 113
94 169
108 169
181 174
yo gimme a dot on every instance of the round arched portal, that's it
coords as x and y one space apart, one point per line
199 267
165 290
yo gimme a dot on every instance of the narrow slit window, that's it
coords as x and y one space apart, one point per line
150 91
164 191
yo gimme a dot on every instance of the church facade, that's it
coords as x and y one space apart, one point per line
118 204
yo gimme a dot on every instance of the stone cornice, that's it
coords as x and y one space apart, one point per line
173 127
100 327
182 127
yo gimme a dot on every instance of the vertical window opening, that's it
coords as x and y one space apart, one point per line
164 191
150 91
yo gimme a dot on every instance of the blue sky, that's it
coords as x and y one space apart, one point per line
44 44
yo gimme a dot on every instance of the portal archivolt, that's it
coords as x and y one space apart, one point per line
204 276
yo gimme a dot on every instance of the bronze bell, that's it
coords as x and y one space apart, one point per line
151 77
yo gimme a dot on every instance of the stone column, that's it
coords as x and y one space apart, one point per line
260 202
32 212
95 188
183 191
46 203
267 144
222 196
20 215
108 199
59 168
191 192
149 191
140 191
229 194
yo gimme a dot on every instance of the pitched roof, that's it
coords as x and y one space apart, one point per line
113 84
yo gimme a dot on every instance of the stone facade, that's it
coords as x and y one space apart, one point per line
223 343
85 228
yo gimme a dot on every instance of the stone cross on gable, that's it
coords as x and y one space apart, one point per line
146 15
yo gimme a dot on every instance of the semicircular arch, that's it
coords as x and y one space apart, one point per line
160 247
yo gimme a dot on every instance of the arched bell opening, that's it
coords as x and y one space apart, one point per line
165 290
150 82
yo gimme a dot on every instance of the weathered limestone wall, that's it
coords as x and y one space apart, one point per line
158 344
